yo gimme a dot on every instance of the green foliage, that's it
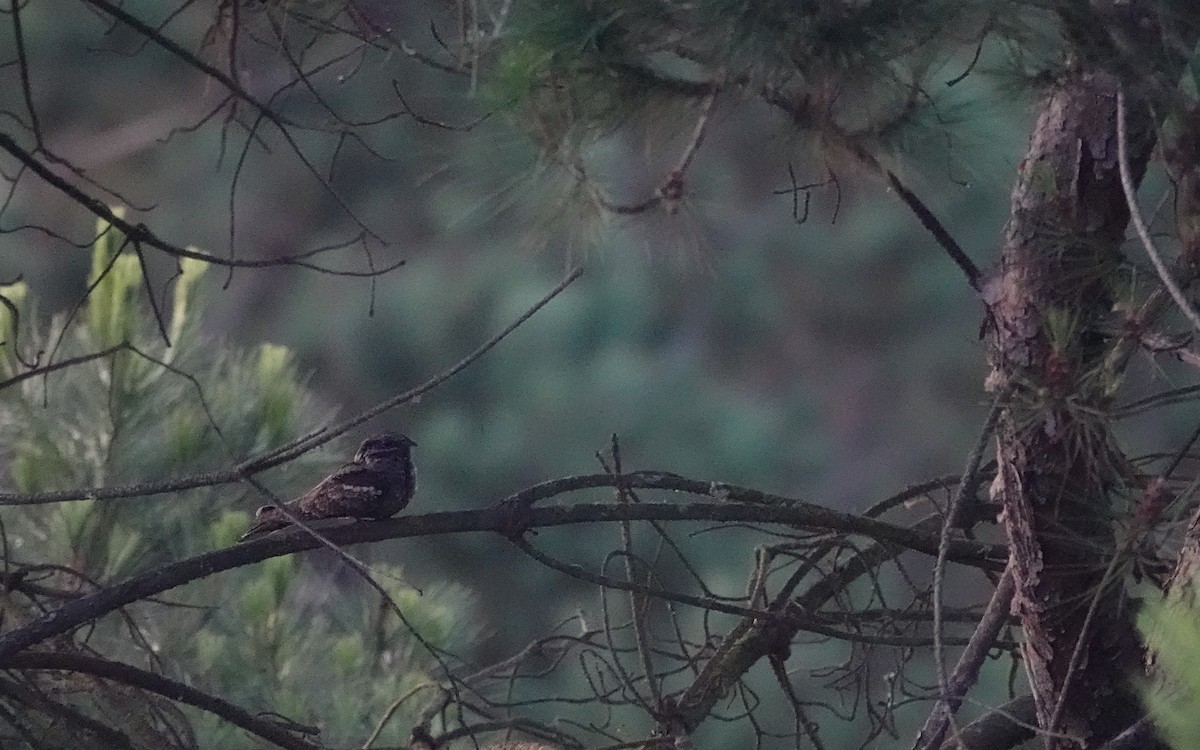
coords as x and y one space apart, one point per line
1172 631
260 636
558 41
854 75
274 644
114 279
133 416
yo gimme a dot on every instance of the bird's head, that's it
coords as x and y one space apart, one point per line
386 448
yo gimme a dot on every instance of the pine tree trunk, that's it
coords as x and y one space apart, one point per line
1058 469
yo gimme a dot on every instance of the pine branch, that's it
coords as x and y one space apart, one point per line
152 682
512 516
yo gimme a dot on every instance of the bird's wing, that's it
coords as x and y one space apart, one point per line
350 491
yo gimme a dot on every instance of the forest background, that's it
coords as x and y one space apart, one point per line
786 323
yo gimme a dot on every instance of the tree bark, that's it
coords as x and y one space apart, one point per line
1059 471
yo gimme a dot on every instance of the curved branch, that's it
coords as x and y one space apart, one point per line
152 682
139 233
966 672
63 364
954 512
83 725
504 518
265 110
793 618
1001 728
752 639
1135 214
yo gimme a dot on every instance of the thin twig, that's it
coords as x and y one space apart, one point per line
966 490
995 617
637 601
670 192
391 711
794 617
1136 215
140 233
126 674
284 454
63 364
23 67
146 31
804 725
320 437
936 228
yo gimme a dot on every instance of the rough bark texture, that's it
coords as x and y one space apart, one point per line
1184 580
1047 303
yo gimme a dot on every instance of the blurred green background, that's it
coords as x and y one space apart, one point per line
727 339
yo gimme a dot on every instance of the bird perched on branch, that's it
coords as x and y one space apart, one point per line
377 483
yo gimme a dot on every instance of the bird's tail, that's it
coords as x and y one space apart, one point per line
268 518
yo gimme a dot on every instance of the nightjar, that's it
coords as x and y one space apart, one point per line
377 483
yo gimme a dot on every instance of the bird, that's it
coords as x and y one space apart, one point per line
377 483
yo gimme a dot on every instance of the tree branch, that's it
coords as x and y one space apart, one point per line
969 663
936 228
1001 729
1127 186
139 233
762 508
155 683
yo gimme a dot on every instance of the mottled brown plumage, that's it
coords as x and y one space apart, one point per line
377 483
